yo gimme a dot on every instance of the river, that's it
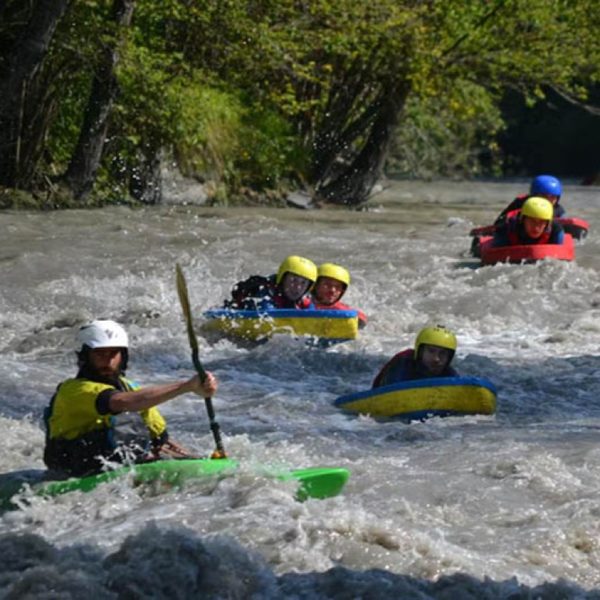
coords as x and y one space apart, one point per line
507 505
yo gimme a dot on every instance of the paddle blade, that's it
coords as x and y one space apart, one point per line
184 300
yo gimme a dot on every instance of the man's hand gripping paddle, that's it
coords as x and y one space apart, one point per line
187 314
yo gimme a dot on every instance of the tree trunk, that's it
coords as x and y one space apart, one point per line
81 173
350 180
21 67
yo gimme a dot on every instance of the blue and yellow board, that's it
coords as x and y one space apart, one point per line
255 325
423 398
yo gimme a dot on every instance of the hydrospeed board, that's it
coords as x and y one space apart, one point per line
491 254
422 398
256 325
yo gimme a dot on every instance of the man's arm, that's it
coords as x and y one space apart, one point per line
158 394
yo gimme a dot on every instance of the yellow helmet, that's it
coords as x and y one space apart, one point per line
335 272
538 208
435 336
298 266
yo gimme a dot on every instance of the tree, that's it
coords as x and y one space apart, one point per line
22 124
262 91
343 72
81 173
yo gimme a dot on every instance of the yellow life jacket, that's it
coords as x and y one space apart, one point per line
73 410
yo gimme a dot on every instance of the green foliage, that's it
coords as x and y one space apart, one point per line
329 68
269 153
68 74
479 51
205 139
168 103
450 135
69 116
256 93
211 132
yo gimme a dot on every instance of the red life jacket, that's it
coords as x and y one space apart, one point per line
514 208
279 300
511 210
339 305
511 214
513 228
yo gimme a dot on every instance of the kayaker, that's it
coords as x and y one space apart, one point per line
332 283
100 415
288 288
542 186
431 357
533 224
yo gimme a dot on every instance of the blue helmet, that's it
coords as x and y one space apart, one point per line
545 184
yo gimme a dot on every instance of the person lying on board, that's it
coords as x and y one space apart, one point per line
542 186
532 225
100 416
431 357
332 283
288 288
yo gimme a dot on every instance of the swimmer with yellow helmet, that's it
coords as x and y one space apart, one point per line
533 224
288 288
542 186
431 357
332 283
546 187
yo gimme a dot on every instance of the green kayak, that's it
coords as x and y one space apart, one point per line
315 482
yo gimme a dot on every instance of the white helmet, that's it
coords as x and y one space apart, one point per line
103 334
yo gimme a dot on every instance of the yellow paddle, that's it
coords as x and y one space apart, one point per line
187 314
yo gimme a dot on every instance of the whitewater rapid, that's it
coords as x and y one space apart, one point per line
482 505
